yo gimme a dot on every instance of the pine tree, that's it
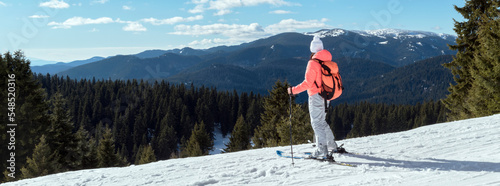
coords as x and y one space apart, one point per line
224 106
485 90
200 142
192 149
60 133
81 150
90 158
357 123
464 66
253 115
106 155
147 155
275 109
301 126
166 142
42 162
243 104
30 107
240 137
336 124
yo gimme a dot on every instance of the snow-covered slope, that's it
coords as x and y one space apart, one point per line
457 153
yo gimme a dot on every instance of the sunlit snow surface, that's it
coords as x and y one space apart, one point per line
457 153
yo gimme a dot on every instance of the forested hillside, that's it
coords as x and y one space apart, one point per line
425 80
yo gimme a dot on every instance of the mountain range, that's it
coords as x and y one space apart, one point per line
58 67
368 60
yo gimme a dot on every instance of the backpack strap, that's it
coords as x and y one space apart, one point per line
316 84
326 106
323 66
321 63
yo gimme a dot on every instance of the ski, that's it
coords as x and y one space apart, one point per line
340 149
309 157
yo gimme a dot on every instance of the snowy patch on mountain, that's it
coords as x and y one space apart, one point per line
395 33
381 33
327 33
383 42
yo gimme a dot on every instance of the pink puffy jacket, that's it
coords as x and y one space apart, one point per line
313 74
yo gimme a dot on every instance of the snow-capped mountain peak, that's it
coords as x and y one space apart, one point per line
328 32
382 33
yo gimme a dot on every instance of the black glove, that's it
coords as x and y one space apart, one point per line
290 93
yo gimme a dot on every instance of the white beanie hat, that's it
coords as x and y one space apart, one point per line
316 45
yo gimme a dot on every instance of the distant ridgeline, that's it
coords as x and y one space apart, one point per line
370 62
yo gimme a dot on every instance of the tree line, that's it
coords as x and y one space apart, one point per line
346 120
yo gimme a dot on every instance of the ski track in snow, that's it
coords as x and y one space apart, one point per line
458 153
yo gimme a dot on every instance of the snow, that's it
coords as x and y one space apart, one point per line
456 153
327 33
220 141
383 43
397 33
381 33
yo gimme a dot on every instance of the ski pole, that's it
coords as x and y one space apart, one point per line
291 140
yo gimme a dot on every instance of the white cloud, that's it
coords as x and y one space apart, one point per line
224 6
436 28
134 26
131 25
55 4
223 12
100 1
280 12
125 7
237 33
38 16
197 9
207 43
2 4
291 25
173 20
232 31
77 21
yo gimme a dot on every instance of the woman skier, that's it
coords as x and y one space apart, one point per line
324 135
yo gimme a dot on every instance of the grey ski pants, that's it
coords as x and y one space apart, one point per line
322 131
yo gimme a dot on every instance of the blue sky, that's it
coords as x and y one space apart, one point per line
67 30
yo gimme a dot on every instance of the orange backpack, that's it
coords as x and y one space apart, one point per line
331 82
